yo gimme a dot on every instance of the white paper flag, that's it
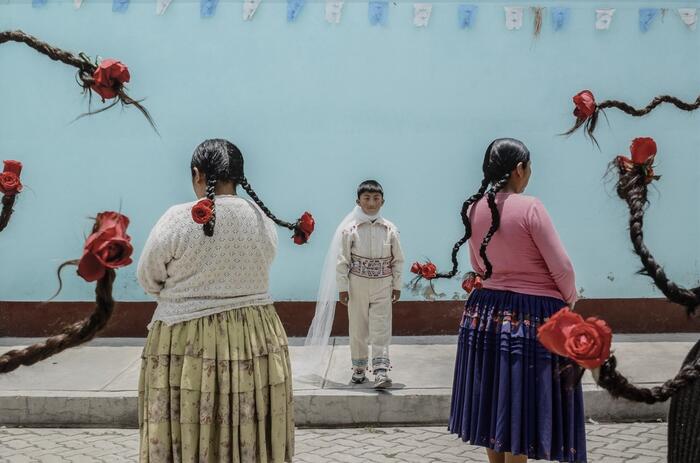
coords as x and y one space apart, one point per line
77 4
514 17
161 6
421 14
604 18
689 16
334 9
249 9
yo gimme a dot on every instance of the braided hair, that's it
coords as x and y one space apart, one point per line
502 156
86 69
72 335
8 201
589 123
632 187
220 160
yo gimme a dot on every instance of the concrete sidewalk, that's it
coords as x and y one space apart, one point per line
96 385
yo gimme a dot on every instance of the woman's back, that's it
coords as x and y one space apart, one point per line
525 253
195 275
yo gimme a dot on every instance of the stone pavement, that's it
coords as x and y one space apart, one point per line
607 443
95 385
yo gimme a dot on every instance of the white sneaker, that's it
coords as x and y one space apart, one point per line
358 376
382 380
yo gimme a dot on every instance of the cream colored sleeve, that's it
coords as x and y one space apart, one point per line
157 253
343 263
397 262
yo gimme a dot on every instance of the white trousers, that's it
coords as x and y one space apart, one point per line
369 316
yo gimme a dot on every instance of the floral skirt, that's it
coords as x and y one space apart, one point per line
217 389
510 394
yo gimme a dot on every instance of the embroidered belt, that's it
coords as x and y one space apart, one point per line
371 268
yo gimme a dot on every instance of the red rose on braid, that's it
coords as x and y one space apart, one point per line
110 76
10 183
428 271
588 343
108 247
203 211
554 332
416 268
643 151
304 228
585 105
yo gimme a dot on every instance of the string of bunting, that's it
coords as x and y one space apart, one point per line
378 13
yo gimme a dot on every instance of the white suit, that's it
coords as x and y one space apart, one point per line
369 268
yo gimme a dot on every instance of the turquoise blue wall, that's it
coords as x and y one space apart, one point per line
316 108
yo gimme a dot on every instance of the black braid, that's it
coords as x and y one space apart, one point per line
684 419
619 386
495 222
211 191
632 187
243 182
464 213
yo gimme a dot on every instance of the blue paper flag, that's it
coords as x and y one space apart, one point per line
120 6
466 15
294 8
560 16
207 8
38 3
378 12
646 17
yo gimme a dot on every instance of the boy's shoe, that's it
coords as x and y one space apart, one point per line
382 380
358 376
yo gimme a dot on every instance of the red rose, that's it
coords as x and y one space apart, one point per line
643 150
588 343
109 77
428 271
416 268
585 104
554 333
203 211
472 281
9 183
12 166
304 228
107 247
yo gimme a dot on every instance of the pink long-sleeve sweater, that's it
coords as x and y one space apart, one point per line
526 253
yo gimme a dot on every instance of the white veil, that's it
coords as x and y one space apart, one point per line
314 357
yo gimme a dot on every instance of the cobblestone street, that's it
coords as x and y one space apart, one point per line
607 443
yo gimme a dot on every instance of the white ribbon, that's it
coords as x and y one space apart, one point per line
689 16
249 9
334 10
161 6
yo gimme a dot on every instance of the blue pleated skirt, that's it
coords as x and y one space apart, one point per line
510 394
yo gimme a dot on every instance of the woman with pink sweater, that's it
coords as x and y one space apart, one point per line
510 394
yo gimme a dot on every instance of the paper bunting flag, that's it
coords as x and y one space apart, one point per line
161 6
120 6
646 17
466 14
604 18
38 3
334 10
249 9
378 11
294 8
207 8
514 17
689 16
421 14
560 16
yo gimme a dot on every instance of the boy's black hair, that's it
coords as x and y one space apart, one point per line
369 186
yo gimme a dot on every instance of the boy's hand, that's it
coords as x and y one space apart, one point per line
344 297
395 295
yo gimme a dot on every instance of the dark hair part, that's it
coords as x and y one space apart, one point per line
6 212
590 123
220 160
632 187
369 186
70 336
86 69
502 156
